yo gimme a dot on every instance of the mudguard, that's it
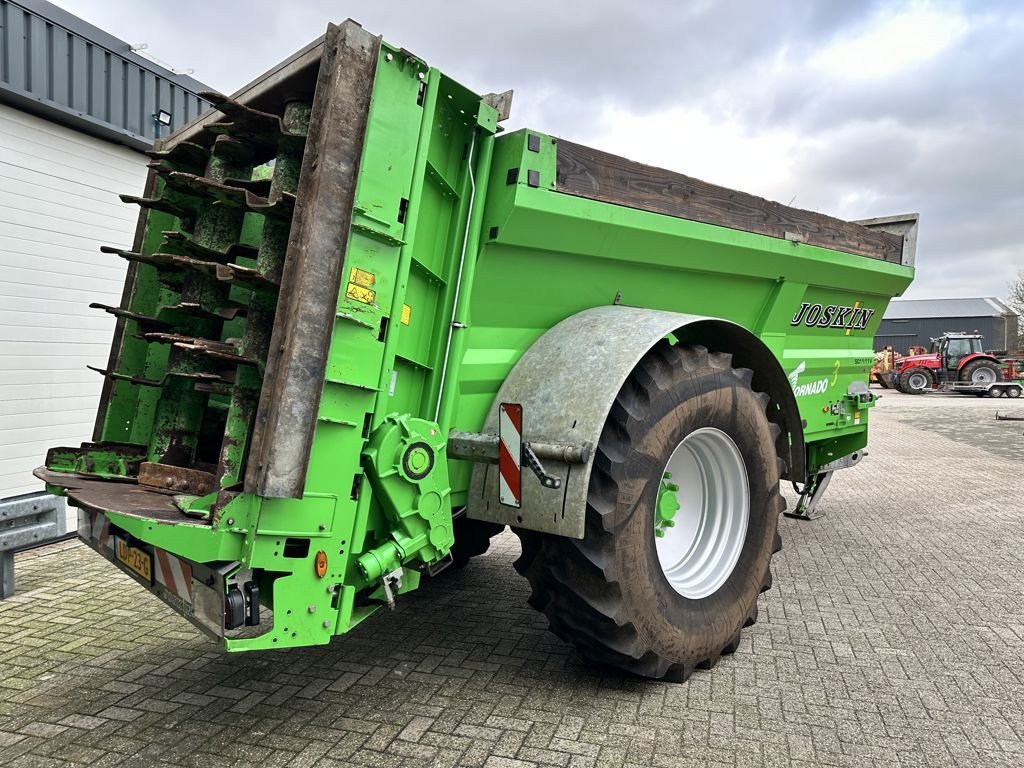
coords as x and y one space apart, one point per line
567 382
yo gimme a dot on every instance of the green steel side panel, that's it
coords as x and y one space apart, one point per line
549 255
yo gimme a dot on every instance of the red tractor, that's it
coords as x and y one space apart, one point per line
957 362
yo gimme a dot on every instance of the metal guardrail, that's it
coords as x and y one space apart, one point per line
26 521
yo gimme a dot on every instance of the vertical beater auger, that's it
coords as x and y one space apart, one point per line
216 269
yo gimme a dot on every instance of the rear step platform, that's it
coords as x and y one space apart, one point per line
125 498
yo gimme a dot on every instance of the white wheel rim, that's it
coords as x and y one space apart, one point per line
699 551
917 381
983 376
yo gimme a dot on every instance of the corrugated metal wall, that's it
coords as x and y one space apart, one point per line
901 334
76 109
58 204
54 65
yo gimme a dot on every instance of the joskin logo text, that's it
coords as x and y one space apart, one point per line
832 316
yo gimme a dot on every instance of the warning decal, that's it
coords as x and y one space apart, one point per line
362 277
360 293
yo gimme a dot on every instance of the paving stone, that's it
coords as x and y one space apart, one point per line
892 637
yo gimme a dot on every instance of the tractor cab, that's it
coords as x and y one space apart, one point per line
952 348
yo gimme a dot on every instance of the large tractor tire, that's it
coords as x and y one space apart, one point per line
681 521
915 381
981 372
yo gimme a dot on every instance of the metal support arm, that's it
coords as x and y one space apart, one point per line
483 448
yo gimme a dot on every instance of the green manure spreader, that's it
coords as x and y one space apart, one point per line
363 330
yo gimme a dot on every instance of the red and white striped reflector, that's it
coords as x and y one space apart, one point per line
510 454
174 574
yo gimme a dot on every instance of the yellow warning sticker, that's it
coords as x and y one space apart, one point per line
362 277
360 293
406 314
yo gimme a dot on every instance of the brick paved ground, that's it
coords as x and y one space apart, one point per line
894 636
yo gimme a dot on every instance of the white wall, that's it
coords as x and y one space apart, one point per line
58 205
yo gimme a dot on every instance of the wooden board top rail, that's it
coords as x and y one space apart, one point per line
590 173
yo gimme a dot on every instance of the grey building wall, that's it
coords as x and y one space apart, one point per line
1000 332
57 66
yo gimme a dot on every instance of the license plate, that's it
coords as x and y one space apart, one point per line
137 560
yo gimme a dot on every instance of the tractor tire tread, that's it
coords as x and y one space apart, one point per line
573 580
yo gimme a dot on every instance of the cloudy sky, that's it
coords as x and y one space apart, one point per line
850 108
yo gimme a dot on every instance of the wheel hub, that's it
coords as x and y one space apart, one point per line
983 376
701 516
668 505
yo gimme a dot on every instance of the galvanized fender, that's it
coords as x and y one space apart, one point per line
567 382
